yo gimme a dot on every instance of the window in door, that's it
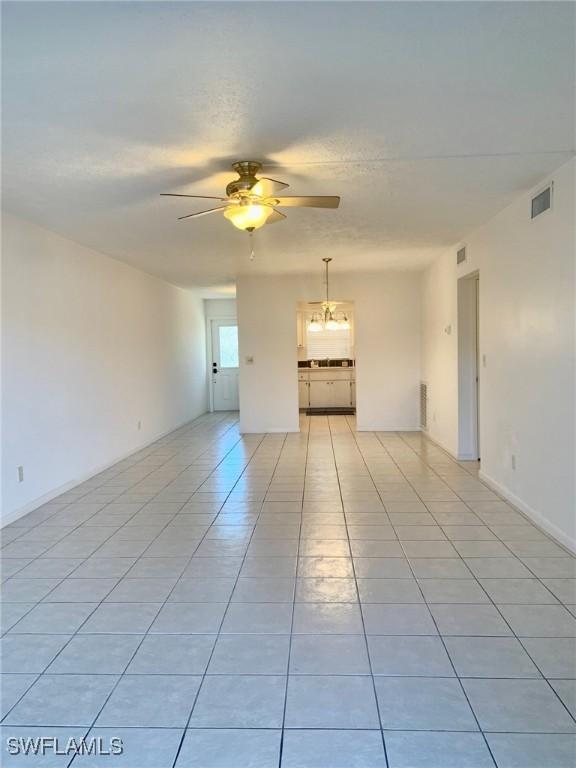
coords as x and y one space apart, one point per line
228 340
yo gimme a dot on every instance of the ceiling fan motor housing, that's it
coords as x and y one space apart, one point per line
246 170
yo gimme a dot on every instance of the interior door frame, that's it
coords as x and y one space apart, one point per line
469 367
210 352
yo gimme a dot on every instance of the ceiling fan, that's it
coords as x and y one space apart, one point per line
251 202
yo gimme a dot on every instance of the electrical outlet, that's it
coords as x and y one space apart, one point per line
20 474
513 461
139 426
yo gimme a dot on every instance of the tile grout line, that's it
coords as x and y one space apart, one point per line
73 635
497 608
205 674
474 578
456 677
147 633
366 645
283 726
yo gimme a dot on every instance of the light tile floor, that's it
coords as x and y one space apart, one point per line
328 599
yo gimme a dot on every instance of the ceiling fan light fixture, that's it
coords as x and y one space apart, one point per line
248 217
344 324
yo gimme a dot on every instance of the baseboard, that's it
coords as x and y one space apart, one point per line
386 428
440 444
55 492
450 452
534 516
269 431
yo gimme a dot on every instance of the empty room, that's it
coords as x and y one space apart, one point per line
288 385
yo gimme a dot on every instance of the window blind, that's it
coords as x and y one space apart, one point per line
332 344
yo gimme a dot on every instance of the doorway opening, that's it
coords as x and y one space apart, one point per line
469 367
326 359
224 364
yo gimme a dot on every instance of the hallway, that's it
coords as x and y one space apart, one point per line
327 599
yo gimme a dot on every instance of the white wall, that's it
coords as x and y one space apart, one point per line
527 333
220 309
440 350
387 315
90 347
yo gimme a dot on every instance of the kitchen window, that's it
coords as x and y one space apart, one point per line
328 344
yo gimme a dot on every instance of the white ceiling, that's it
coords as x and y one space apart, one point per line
108 104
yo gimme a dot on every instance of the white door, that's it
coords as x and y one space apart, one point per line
225 365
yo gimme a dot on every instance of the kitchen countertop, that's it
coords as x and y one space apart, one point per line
327 370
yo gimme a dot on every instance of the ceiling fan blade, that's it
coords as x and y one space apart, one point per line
311 201
275 216
268 187
197 197
203 213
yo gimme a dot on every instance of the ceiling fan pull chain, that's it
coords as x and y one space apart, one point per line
251 234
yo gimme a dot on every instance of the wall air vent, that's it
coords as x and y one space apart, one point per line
461 256
542 202
423 405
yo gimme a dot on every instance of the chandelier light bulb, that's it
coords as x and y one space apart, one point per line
331 324
314 326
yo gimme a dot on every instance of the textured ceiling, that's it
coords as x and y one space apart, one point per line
427 118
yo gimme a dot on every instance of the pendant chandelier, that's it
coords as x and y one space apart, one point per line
329 319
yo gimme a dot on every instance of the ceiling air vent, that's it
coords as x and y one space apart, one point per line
461 256
542 202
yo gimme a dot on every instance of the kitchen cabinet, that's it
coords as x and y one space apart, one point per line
326 388
320 393
341 393
325 393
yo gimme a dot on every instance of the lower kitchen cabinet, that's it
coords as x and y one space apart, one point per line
321 388
319 394
330 394
341 394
